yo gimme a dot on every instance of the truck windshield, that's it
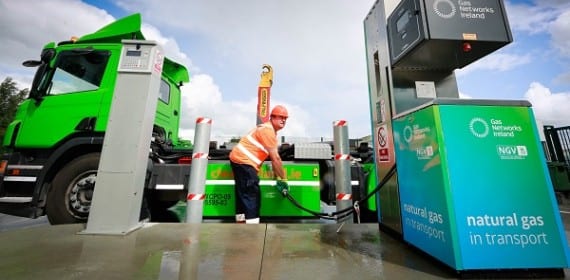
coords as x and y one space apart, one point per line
78 71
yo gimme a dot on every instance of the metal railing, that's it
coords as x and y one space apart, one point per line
557 146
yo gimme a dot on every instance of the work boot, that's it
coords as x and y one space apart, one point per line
240 218
252 221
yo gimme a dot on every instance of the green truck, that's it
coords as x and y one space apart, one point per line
54 144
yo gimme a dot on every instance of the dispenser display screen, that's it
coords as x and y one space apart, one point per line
133 53
404 28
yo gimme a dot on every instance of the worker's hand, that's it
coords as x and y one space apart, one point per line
282 186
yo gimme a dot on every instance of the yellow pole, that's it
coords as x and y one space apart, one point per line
264 94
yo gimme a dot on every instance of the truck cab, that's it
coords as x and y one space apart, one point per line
65 117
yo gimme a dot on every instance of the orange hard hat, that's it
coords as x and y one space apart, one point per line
279 110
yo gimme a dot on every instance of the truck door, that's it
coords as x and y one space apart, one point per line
71 94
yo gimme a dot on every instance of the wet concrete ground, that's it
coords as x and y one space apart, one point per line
215 251
37 250
212 251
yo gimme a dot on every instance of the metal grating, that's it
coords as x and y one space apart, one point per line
558 144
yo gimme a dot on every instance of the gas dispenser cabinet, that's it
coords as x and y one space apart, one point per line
472 187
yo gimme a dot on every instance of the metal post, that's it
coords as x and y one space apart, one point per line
342 168
197 181
117 197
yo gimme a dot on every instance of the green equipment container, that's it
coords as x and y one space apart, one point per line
304 186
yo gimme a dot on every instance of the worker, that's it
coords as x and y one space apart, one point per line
247 157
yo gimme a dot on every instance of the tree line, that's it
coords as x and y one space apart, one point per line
10 97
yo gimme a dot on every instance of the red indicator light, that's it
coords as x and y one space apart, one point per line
185 160
466 47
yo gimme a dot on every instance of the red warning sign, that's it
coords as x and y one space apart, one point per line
383 154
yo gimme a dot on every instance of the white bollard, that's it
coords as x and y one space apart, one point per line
342 177
197 181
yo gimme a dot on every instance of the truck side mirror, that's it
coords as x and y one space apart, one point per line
31 63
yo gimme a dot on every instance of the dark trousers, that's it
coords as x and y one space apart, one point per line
248 196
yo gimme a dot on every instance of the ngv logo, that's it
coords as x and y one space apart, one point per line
424 152
512 151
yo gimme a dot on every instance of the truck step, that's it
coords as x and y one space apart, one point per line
15 199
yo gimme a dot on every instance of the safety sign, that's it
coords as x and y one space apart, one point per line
382 139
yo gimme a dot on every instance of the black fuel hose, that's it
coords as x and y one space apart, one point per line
349 210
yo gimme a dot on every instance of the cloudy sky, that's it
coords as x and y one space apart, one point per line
316 48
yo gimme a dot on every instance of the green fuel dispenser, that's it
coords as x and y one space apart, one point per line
472 188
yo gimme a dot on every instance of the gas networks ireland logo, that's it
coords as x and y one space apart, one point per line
479 127
444 8
408 133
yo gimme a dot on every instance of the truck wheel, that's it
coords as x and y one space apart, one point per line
71 191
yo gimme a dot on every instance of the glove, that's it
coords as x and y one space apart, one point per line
282 187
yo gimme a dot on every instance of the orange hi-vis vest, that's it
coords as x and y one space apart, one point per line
253 148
